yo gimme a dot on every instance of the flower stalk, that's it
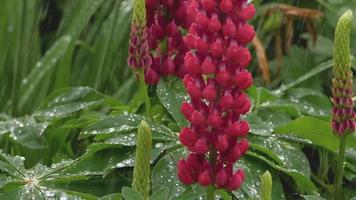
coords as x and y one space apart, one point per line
343 115
139 57
144 93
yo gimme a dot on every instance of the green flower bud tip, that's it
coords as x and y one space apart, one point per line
266 186
139 13
342 44
141 174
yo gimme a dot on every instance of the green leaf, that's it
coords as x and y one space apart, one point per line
172 95
74 21
258 126
26 132
281 151
30 85
313 72
164 174
303 183
39 182
312 197
131 194
251 187
161 194
124 123
187 196
14 166
281 105
68 101
317 131
116 196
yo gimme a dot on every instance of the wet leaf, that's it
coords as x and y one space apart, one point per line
172 95
317 131
124 123
25 131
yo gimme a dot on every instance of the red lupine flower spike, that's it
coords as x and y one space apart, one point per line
216 62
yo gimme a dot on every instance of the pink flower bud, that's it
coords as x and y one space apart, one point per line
187 110
226 6
201 45
240 100
234 182
168 67
171 29
222 143
248 12
243 145
194 162
233 154
204 178
221 178
187 137
243 57
193 91
243 80
214 24
192 12
192 64
215 120
198 118
189 41
208 5
229 28
217 48
151 76
151 3
238 129
243 110
202 20
226 100
184 174
245 33
157 31
208 66
232 51
223 77
201 146
209 92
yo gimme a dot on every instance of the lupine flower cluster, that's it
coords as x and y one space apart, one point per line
215 81
343 113
139 56
165 18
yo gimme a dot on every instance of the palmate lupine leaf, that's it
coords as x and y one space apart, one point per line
39 182
119 133
26 132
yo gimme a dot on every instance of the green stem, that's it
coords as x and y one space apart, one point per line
210 190
324 165
143 87
340 168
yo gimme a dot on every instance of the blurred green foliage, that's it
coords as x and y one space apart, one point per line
70 107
